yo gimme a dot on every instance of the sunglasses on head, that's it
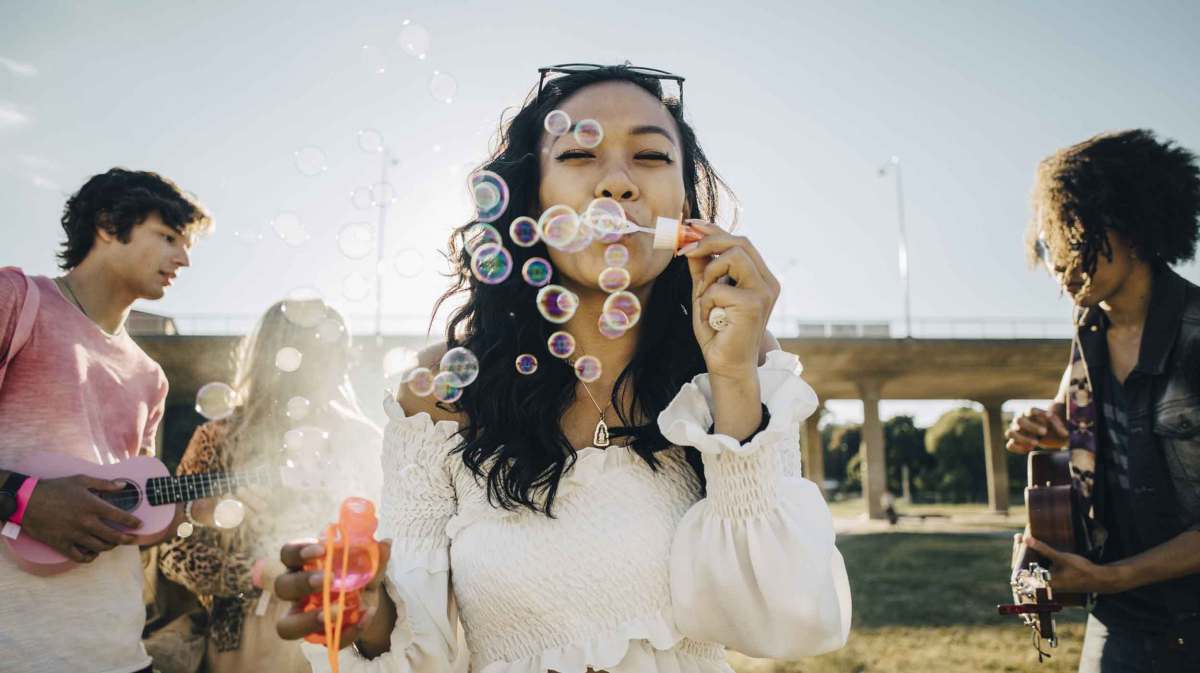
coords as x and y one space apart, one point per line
573 68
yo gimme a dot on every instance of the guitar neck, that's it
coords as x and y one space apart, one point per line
168 490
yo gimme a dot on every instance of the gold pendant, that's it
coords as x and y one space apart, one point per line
600 438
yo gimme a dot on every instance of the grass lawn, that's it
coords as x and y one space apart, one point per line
927 602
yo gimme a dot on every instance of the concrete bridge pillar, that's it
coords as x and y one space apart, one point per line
995 457
812 460
874 478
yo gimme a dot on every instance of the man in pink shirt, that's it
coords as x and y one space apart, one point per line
77 383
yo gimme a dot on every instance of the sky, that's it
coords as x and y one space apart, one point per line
797 104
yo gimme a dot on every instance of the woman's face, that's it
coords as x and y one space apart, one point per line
637 164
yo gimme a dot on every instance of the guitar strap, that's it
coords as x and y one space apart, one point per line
1081 442
29 308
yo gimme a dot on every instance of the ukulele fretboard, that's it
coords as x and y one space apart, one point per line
167 490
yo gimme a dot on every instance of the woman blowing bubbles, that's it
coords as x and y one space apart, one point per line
693 529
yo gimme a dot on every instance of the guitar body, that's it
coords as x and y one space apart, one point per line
40 559
1050 506
1050 509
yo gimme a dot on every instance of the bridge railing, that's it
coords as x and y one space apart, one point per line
782 326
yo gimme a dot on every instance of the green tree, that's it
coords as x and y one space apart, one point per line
904 444
955 443
840 443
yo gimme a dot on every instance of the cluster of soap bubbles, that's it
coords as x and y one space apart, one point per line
458 369
563 228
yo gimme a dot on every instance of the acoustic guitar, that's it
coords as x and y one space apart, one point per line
1051 517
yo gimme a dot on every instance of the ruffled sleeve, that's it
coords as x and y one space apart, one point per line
418 500
754 565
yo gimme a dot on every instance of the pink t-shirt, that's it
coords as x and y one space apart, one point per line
74 389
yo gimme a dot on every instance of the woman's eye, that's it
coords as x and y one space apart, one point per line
654 156
169 238
574 154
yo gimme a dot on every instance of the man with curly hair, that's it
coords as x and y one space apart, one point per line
73 381
1113 213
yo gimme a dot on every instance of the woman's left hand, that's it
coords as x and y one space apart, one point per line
732 352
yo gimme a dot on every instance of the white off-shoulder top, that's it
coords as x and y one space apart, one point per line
636 572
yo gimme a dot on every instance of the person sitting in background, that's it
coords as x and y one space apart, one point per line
299 416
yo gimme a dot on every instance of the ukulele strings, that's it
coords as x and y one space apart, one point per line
124 498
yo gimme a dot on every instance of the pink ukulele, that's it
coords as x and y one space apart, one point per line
150 494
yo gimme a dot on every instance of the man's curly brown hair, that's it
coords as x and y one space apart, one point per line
117 201
1129 182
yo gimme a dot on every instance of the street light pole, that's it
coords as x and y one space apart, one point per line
385 159
893 165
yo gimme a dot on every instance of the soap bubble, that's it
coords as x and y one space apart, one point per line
373 59
548 304
613 324
414 39
627 303
537 272
559 225
616 255
356 286
589 133
408 262
216 401
289 229
614 279
480 234
605 206
381 193
557 123
370 141
526 364
420 381
491 264
587 368
229 513
310 160
524 231
446 387
298 407
360 198
568 302
306 450
288 359
490 194
330 331
561 344
397 360
443 87
304 307
462 363
356 240
248 235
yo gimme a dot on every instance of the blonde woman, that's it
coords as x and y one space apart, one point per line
297 416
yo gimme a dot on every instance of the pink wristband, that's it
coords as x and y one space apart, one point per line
23 495
256 573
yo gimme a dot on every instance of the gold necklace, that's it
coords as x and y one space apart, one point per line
600 436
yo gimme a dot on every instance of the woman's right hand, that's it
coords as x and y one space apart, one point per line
373 632
1037 428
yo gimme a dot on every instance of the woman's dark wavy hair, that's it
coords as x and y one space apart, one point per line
117 201
1146 190
512 435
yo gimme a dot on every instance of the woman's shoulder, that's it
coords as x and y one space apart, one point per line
413 404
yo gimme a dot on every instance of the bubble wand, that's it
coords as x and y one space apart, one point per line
671 234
